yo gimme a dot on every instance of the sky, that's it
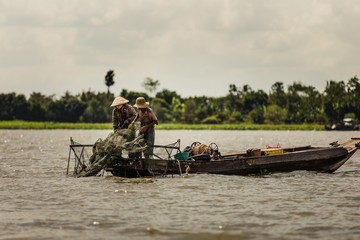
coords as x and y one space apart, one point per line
193 47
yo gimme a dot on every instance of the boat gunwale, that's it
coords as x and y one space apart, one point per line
239 156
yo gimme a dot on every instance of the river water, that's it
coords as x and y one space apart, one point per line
39 201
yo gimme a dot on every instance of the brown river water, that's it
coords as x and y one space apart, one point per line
39 201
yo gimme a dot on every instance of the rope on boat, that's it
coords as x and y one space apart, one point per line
178 162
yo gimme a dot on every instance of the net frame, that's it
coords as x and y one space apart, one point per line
81 156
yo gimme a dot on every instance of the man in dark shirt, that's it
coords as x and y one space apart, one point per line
123 113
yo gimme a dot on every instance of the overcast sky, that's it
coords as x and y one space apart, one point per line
195 47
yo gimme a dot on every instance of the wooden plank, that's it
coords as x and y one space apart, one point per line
350 145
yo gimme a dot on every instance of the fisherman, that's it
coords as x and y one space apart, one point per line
147 120
123 113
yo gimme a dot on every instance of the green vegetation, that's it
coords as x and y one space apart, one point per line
299 107
241 126
16 124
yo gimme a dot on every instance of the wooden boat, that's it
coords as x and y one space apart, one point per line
253 161
347 125
322 159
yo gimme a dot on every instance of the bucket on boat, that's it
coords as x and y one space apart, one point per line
181 156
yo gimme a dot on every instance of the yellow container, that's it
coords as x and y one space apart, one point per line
274 151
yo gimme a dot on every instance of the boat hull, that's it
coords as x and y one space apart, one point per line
314 159
253 161
341 128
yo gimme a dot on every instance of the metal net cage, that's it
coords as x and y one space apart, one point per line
166 152
90 159
81 155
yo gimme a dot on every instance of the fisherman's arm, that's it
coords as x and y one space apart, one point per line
132 116
146 127
115 120
150 125
135 119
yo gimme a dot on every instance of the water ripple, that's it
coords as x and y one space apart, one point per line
38 201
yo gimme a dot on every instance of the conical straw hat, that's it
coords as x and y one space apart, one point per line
141 103
118 101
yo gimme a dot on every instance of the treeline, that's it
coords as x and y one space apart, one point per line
296 104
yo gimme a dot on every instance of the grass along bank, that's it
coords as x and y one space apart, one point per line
162 126
51 125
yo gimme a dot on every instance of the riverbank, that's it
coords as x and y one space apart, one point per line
162 126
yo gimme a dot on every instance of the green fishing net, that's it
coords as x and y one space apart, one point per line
122 143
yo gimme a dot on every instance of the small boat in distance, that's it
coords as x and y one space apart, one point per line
347 125
210 161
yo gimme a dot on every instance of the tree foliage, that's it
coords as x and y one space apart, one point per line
297 103
109 79
150 85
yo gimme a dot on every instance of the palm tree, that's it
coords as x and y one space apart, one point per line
109 79
150 85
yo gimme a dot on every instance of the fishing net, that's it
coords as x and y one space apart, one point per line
122 143
82 154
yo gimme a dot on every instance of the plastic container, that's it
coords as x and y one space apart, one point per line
274 151
181 156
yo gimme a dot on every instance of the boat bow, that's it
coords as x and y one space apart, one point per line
351 146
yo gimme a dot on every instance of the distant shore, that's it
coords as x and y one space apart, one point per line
162 126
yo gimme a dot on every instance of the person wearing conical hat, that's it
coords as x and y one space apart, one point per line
147 119
123 113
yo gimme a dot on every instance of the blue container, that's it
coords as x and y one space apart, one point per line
181 156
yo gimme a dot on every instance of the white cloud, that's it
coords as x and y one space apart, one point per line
194 47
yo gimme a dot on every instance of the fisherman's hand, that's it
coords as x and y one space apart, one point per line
143 129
